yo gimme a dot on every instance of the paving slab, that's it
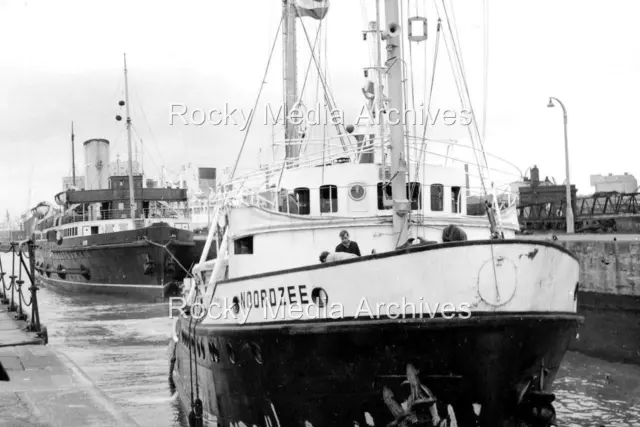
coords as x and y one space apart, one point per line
46 388
13 332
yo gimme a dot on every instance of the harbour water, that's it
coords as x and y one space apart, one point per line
122 347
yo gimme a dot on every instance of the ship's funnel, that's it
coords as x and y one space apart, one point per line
96 157
535 176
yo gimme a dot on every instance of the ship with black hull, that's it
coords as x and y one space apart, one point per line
93 245
435 318
117 235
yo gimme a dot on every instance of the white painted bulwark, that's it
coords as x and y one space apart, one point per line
515 277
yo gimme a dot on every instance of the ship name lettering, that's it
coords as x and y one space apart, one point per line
289 295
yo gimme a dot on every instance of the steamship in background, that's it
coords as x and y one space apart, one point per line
92 242
116 235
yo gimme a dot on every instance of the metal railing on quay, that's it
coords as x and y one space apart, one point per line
11 294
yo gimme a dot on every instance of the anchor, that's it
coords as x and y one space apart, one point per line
148 265
420 409
170 266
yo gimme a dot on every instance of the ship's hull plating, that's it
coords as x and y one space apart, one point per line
484 369
143 264
330 378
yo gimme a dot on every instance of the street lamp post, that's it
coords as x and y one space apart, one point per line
569 206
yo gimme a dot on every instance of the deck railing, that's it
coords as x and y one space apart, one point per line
258 187
113 214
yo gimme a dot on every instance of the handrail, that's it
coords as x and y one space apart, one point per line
17 250
504 174
115 214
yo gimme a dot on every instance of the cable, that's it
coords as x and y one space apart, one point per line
235 166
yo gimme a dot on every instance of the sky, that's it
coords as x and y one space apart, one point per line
62 61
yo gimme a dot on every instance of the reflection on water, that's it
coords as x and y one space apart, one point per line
122 347
590 391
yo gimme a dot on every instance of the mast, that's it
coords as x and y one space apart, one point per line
378 91
395 114
73 156
132 206
292 150
485 73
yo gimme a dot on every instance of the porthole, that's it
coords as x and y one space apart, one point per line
320 297
357 192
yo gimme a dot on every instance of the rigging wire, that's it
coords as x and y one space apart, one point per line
251 116
465 86
317 82
461 84
304 83
457 38
495 208
423 147
145 149
328 95
406 102
153 138
324 125
485 67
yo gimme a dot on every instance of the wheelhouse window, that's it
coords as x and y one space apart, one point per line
328 198
243 246
304 200
455 200
287 202
437 197
414 196
384 189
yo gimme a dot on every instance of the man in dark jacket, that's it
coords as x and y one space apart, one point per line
347 245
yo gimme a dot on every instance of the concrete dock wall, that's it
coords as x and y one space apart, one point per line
607 266
609 296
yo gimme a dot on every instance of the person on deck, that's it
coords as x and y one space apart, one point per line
347 245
